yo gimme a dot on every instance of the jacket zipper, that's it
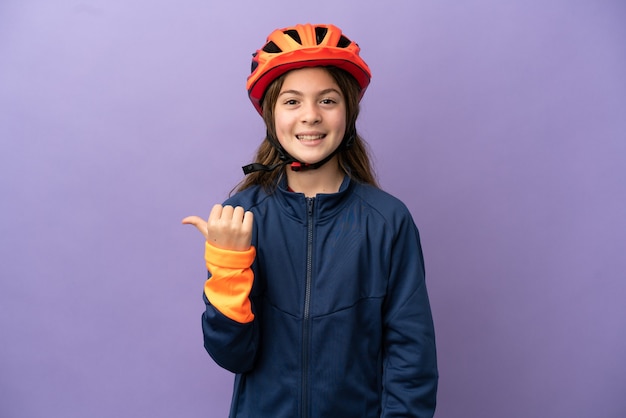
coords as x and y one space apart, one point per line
306 314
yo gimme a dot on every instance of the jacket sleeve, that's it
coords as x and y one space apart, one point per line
228 323
410 375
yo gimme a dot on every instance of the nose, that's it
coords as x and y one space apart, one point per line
311 114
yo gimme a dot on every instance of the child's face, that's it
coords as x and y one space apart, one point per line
310 115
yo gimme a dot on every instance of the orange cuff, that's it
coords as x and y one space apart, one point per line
231 280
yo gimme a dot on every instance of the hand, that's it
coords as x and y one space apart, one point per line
227 228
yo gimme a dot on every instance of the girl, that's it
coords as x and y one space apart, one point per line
316 296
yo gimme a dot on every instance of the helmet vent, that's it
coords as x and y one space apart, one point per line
344 42
272 48
294 34
320 33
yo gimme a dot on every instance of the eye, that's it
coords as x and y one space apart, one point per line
328 101
290 102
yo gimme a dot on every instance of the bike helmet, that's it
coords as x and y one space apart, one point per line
304 46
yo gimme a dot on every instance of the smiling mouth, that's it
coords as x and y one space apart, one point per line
310 137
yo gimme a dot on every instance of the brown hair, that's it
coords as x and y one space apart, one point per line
354 161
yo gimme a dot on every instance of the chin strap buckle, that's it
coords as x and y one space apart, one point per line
298 166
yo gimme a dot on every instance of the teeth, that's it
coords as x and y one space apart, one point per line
309 137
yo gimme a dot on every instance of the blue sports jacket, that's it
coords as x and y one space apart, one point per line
342 325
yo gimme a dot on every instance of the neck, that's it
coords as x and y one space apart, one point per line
326 179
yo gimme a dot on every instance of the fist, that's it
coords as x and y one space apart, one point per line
227 228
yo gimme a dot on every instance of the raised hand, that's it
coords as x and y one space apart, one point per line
227 227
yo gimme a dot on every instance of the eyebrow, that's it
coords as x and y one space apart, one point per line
321 93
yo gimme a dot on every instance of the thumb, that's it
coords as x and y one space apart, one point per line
198 222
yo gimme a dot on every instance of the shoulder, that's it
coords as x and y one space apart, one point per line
395 216
388 206
249 198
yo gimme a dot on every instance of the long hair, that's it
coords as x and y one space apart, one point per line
354 161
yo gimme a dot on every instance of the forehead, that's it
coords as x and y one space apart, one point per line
309 79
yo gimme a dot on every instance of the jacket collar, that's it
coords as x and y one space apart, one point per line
325 205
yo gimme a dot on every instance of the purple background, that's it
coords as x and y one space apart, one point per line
502 125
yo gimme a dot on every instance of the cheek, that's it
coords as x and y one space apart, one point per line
339 122
282 123
280 129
